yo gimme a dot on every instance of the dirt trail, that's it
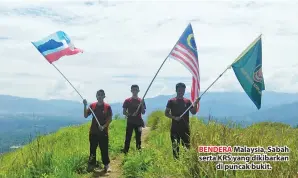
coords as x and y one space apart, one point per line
116 163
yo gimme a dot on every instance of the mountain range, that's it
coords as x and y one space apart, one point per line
234 105
21 117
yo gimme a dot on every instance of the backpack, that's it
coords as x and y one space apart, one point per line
105 109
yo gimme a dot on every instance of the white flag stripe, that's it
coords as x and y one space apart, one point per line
190 54
187 60
182 61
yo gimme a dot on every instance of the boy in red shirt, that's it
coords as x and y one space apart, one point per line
134 120
180 129
98 134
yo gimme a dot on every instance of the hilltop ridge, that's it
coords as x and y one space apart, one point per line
65 153
24 117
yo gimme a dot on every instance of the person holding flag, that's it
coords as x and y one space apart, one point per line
99 137
185 52
180 129
134 118
58 45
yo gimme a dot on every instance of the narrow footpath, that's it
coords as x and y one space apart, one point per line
116 163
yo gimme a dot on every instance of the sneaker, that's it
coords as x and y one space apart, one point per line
90 167
140 129
123 151
107 168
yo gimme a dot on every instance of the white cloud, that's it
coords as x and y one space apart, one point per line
133 38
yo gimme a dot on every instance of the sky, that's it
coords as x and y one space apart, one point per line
125 42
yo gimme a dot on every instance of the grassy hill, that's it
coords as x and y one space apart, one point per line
61 154
65 153
21 118
156 160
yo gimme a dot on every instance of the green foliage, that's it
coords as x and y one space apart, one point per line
62 154
138 163
159 150
65 153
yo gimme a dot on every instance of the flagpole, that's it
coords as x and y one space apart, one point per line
245 51
156 74
67 80
158 71
76 91
207 88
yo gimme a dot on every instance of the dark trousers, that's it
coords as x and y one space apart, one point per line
176 137
129 129
101 140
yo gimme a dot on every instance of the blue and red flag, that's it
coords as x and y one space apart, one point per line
55 46
185 52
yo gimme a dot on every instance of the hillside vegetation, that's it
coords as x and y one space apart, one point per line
156 159
65 153
62 154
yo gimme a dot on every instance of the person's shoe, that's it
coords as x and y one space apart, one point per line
90 167
124 151
107 168
97 165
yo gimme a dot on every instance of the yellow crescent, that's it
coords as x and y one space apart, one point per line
188 41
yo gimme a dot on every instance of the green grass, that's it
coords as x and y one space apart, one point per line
156 160
65 153
62 154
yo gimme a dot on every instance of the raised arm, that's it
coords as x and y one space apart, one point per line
193 109
87 111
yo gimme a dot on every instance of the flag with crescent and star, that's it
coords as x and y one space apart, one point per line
248 70
185 52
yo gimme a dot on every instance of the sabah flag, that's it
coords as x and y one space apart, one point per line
55 46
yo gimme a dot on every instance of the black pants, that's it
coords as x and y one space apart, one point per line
101 140
129 129
176 136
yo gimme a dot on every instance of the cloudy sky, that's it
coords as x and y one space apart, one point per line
126 42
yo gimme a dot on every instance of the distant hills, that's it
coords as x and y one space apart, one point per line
13 105
234 105
22 118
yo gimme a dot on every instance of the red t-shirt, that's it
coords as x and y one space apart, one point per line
178 107
100 115
132 105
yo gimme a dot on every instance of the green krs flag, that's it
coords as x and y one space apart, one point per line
248 70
